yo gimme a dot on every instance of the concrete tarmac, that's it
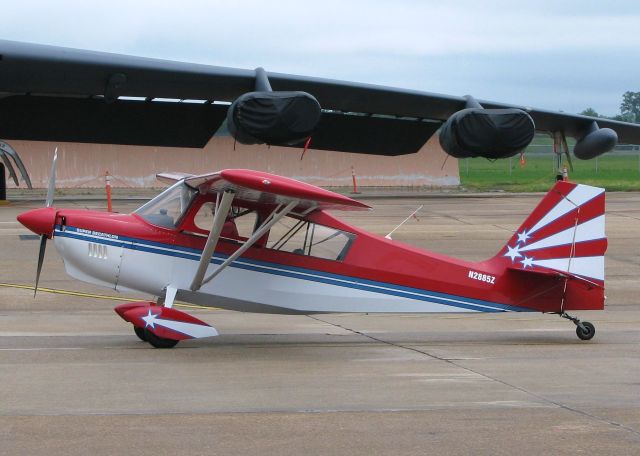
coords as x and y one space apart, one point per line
75 380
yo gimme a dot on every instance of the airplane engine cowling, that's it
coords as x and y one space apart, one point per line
489 133
273 117
596 142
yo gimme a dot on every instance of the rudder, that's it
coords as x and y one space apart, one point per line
565 232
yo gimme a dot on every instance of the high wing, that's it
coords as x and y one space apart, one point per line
61 94
279 194
266 189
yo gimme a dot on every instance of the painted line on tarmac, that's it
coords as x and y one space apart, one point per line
43 349
69 292
93 295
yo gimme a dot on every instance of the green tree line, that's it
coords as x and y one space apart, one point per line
629 109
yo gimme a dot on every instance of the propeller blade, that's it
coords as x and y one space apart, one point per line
43 238
43 246
52 179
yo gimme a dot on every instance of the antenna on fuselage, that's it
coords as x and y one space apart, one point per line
388 236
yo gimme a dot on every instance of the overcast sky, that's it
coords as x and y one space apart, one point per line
566 55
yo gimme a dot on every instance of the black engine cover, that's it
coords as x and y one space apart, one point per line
284 118
596 142
489 133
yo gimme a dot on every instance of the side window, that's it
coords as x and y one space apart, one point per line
306 238
239 225
204 217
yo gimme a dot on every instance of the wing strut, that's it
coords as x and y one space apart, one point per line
222 209
276 215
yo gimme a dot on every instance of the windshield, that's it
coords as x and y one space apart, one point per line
168 207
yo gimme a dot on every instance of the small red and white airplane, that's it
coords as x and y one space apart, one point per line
256 242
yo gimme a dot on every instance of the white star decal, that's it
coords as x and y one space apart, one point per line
150 319
522 237
527 262
513 253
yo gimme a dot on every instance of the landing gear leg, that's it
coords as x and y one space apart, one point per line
584 329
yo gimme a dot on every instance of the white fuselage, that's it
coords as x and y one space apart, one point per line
126 264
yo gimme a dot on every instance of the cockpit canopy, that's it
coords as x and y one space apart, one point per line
183 208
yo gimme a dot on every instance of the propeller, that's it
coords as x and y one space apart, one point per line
43 237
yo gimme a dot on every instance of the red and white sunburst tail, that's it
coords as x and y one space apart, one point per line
563 239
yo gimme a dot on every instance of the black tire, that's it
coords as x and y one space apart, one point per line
587 333
140 333
159 342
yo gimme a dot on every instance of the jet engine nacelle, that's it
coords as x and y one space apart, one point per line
273 117
265 116
489 133
596 141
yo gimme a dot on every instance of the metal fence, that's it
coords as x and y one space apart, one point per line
630 153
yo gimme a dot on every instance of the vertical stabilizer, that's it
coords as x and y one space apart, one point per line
565 232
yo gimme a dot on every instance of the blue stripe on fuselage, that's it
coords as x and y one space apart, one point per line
292 271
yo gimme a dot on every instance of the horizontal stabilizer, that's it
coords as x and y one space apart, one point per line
551 273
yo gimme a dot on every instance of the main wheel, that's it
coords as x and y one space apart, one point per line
140 333
159 342
587 333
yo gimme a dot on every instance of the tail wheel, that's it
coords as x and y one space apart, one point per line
140 333
585 330
159 342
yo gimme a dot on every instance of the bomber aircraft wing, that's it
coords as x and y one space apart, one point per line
60 94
